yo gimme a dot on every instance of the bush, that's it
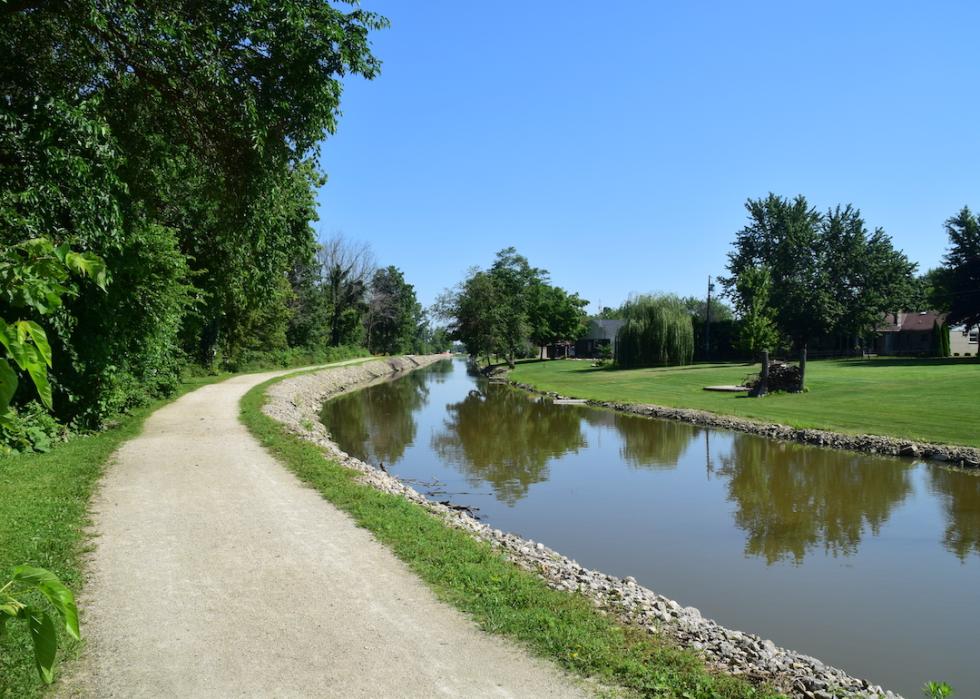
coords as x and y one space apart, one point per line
31 428
292 357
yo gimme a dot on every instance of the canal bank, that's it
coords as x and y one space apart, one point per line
952 455
296 403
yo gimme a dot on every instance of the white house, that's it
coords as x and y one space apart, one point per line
963 341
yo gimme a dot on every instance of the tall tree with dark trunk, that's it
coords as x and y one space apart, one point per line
394 315
346 269
828 274
514 279
963 268
554 314
784 235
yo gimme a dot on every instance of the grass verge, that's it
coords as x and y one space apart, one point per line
929 400
43 514
501 597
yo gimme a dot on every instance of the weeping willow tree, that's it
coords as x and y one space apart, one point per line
658 332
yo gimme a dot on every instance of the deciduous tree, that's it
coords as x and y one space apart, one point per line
963 264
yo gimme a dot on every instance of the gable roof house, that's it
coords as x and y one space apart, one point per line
598 333
907 332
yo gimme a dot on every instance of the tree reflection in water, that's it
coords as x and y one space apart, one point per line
960 493
646 443
506 438
790 498
377 425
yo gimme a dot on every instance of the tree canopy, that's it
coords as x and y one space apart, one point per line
510 308
178 141
962 262
828 274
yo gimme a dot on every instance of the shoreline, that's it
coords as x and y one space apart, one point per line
949 455
295 402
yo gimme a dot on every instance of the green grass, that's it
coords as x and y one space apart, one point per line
498 595
933 400
43 512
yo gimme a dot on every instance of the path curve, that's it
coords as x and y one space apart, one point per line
215 573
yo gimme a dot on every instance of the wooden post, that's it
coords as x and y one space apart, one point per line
707 322
763 388
803 368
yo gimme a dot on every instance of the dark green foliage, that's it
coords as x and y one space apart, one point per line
723 341
30 427
513 279
554 314
828 274
345 271
178 141
697 307
394 317
35 279
939 342
930 291
658 332
509 309
963 268
757 330
474 314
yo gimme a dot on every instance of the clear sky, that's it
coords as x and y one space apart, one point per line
614 144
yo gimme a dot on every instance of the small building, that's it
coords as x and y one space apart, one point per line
907 332
964 341
599 333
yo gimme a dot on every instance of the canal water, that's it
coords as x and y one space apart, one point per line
871 564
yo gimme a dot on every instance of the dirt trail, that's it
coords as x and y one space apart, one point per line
216 573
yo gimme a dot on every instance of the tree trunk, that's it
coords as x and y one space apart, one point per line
763 387
803 368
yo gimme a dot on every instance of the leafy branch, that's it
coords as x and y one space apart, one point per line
35 275
44 636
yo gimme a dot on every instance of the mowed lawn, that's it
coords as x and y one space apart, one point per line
935 400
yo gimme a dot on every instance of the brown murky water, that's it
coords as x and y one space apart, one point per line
868 563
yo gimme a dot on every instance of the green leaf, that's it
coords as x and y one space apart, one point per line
45 641
88 264
63 600
8 384
51 587
39 375
40 339
62 251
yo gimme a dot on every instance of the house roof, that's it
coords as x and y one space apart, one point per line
910 321
603 329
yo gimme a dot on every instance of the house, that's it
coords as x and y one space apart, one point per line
598 333
963 341
909 332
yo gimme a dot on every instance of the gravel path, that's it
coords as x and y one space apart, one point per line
216 573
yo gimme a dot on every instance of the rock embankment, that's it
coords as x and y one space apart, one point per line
296 403
962 457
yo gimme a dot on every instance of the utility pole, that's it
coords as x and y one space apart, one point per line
707 321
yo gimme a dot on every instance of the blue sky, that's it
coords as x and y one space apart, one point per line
614 144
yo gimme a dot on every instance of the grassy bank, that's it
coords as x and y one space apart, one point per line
497 594
924 399
43 512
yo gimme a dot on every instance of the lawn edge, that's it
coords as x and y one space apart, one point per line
950 455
